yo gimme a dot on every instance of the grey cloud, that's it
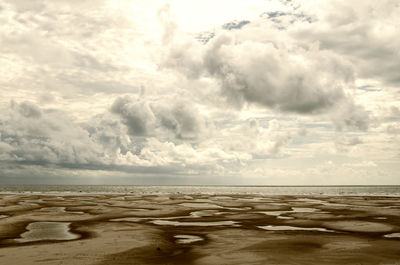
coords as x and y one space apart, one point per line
137 116
183 120
47 137
58 44
28 109
395 112
275 77
144 118
366 35
345 143
205 37
393 128
283 20
235 25
144 170
284 75
54 142
350 116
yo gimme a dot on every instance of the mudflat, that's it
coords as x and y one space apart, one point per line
198 229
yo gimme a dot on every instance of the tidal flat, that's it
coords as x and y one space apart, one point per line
107 229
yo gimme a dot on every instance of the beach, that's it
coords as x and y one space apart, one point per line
62 228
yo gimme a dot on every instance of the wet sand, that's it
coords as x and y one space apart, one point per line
198 229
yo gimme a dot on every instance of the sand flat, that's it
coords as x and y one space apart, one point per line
197 229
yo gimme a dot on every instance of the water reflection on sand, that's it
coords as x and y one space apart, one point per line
39 231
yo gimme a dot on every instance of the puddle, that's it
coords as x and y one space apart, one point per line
38 231
238 208
294 210
358 226
84 202
393 235
139 219
346 245
162 198
285 217
275 213
75 212
203 200
292 228
187 239
199 205
304 210
53 209
28 204
129 219
336 204
176 223
204 213
56 199
255 199
380 218
222 198
311 200
34 201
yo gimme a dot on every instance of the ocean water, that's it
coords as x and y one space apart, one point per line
260 190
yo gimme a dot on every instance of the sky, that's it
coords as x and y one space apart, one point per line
239 92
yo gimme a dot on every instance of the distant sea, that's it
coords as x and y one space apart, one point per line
261 190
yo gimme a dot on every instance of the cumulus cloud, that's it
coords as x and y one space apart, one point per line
137 116
285 76
53 139
45 138
351 116
145 118
362 31
27 109
294 81
259 141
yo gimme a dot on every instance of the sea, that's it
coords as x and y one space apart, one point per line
392 190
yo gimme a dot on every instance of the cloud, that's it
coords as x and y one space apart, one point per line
362 31
271 88
148 119
28 109
260 142
235 25
291 81
137 116
262 65
50 137
348 115
172 142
